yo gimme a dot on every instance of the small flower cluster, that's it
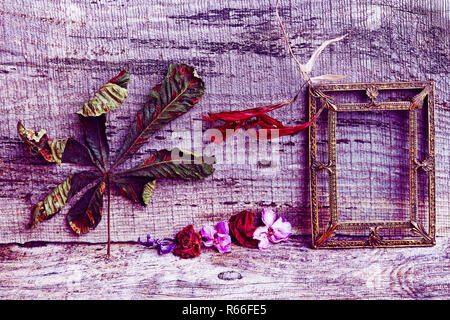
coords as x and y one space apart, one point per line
163 245
188 243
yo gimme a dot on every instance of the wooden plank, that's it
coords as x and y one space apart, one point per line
288 271
54 55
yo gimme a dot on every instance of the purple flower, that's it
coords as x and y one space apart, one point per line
218 237
274 231
149 243
164 246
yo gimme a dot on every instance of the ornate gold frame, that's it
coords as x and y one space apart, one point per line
317 95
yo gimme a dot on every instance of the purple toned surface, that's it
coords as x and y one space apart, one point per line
54 55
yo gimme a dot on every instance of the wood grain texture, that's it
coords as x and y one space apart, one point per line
55 54
289 271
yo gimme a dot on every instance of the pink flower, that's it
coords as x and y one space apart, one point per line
274 231
218 237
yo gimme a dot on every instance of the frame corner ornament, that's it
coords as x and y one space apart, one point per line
374 238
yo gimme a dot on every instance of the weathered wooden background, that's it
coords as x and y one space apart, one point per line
55 54
292 271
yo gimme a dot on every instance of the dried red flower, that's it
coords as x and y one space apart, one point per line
188 243
242 228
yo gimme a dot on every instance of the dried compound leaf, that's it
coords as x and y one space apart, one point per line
178 92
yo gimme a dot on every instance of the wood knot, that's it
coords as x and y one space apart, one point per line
229 275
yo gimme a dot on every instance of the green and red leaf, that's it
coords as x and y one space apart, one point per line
87 212
180 90
173 164
95 137
109 97
39 143
57 199
54 150
76 152
138 189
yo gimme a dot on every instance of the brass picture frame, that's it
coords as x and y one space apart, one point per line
325 238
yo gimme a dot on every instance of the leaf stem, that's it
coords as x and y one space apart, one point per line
108 182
